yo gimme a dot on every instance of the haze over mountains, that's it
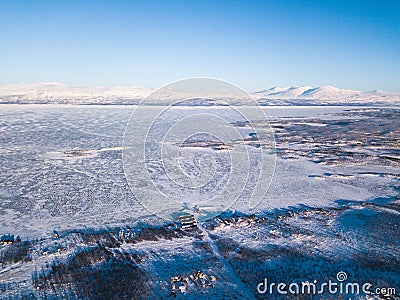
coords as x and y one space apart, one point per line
54 92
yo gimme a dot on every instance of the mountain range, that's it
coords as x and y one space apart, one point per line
327 94
53 92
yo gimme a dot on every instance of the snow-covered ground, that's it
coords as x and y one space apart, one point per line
62 166
332 205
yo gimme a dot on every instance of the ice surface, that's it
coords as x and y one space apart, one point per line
61 167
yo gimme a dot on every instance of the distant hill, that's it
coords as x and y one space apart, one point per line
53 92
304 95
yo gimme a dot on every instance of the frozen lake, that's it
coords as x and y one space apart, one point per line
61 165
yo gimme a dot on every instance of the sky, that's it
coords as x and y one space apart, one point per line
253 44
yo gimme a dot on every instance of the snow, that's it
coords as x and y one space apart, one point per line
62 169
54 92
289 92
60 93
327 93
66 172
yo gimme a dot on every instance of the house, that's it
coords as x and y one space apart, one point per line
186 221
7 239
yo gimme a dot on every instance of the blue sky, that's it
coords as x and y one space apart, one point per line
254 44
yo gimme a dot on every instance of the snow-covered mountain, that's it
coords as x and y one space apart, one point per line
289 92
324 95
53 92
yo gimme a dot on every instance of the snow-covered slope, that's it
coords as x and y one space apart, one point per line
287 92
324 95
